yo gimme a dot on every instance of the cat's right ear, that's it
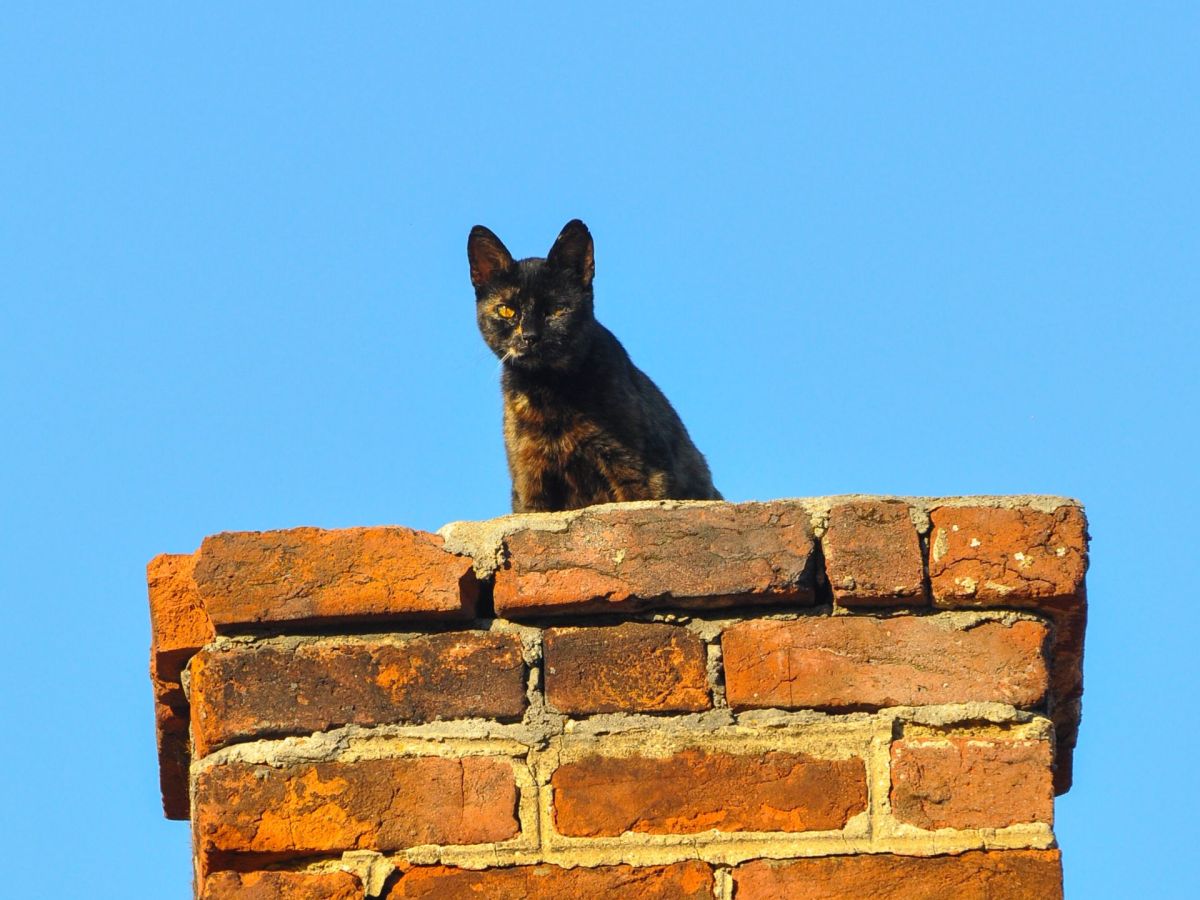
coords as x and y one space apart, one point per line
488 256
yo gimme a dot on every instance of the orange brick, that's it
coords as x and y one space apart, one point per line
991 556
873 555
1022 557
974 875
971 782
245 692
301 575
863 662
281 886
614 558
682 881
174 758
632 667
698 790
371 804
179 627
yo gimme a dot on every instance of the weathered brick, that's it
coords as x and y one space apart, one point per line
281 886
244 692
873 555
997 556
174 758
693 556
179 627
632 667
371 804
863 662
302 575
697 790
974 875
1028 558
681 881
971 782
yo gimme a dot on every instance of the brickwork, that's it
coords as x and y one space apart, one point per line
801 698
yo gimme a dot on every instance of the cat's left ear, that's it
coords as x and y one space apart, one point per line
488 256
572 252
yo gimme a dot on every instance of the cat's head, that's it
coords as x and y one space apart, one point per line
535 314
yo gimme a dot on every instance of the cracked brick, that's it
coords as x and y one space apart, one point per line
697 790
971 782
860 662
632 667
974 875
873 555
252 579
243 692
612 559
370 804
691 880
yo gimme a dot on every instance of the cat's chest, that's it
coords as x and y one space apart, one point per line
547 429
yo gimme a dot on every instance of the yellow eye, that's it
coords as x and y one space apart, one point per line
505 312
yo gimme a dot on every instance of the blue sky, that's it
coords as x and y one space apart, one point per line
924 249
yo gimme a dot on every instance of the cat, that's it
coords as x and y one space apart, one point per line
582 424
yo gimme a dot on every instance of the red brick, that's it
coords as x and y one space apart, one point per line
632 667
863 662
307 574
974 875
248 691
281 886
971 782
992 556
698 790
179 627
615 558
681 881
873 555
174 758
1022 557
372 804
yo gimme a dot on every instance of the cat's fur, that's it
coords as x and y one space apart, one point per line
582 424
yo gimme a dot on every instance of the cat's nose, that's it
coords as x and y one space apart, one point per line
528 338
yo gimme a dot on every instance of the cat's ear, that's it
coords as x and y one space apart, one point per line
572 252
488 256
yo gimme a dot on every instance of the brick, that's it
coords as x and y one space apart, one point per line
971 782
281 886
863 662
174 758
1022 557
371 804
974 875
632 667
304 575
244 692
993 556
681 881
616 558
873 555
179 627
697 790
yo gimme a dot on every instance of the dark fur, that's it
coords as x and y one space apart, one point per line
582 424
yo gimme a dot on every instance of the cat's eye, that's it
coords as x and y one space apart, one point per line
505 312
561 311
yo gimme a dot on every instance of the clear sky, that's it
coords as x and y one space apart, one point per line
896 248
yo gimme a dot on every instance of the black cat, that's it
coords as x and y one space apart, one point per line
582 424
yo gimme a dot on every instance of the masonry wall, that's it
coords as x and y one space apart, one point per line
806 698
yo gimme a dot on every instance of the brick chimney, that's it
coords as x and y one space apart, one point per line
838 697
